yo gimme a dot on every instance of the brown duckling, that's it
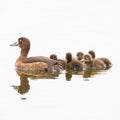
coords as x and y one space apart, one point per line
73 64
106 61
62 61
80 55
53 56
34 63
94 64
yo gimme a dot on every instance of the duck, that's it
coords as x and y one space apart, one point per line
73 63
93 64
106 61
62 61
41 63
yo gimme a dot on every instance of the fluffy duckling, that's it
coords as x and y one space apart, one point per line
106 61
94 64
54 57
80 55
73 64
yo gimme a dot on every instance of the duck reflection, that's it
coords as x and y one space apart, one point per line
36 74
24 86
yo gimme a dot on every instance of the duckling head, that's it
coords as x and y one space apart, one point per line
87 58
80 55
53 56
92 53
68 57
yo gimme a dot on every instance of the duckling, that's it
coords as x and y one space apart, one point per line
106 61
73 64
80 55
34 63
53 56
62 61
94 64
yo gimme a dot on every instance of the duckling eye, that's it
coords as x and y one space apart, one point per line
86 58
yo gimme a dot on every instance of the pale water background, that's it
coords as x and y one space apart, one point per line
60 26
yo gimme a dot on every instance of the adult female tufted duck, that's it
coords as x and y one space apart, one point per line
34 63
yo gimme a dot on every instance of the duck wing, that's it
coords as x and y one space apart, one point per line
41 59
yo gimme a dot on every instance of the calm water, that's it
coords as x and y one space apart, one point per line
58 96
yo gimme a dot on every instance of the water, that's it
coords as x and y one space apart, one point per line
60 27
63 96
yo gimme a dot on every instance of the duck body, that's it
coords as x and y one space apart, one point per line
34 63
94 64
106 61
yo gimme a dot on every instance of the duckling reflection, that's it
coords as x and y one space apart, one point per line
24 85
90 73
68 74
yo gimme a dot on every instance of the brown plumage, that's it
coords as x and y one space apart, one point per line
33 63
79 55
53 56
62 61
73 64
106 61
94 64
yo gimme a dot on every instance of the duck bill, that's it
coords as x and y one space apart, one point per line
14 44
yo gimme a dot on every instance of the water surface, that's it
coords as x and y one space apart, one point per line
60 26
59 96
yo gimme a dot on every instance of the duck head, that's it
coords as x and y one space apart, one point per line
24 44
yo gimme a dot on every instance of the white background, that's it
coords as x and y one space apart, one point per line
60 26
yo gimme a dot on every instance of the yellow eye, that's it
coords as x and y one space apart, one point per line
20 41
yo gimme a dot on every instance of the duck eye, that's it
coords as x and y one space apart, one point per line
20 41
